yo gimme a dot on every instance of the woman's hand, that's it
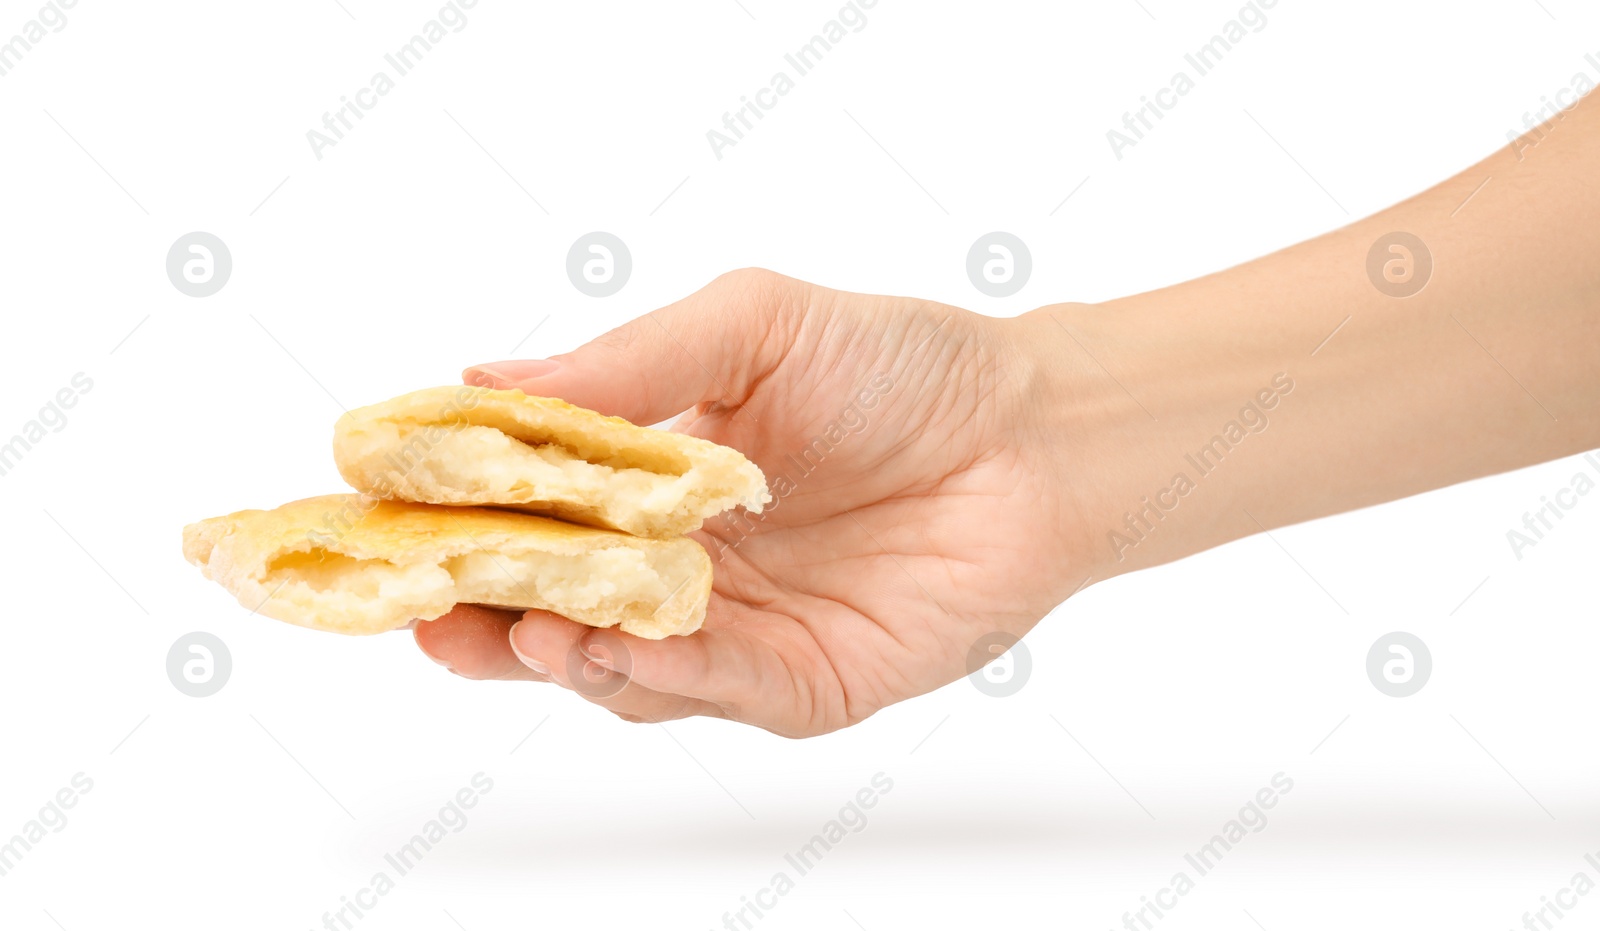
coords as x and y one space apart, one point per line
943 477
919 505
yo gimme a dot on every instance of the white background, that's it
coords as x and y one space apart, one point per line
415 247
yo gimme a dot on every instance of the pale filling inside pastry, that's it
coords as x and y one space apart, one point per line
485 464
602 581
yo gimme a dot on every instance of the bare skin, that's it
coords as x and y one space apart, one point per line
1011 462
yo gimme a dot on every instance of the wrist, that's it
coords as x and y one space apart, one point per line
1096 369
1162 427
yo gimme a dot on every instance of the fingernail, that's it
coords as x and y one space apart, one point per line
526 660
500 374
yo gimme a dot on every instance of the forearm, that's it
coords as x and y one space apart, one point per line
1493 365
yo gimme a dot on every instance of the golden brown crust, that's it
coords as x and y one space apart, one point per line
408 448
356 564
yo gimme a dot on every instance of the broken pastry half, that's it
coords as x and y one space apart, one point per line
482 446
354 564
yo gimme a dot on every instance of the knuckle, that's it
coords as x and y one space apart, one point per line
757 284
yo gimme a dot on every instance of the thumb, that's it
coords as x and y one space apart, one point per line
711 347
